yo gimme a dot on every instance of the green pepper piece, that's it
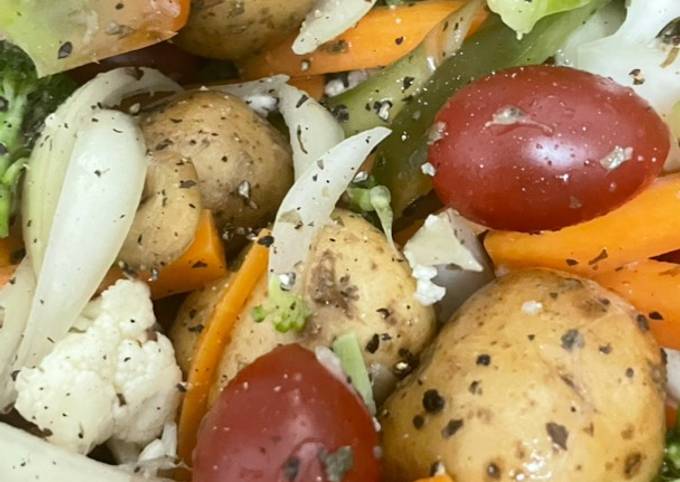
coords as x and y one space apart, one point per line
493 47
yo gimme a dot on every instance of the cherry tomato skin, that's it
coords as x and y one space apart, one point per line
272 422
165 56
537 148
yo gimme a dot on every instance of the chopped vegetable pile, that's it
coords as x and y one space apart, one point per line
340 240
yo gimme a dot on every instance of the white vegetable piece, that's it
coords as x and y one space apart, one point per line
118 378
52 153
101 190
309 203
15 303
634 57
261 95
446 240
327 20
313 130
28 458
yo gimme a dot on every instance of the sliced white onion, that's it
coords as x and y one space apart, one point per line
15 304
101 190
313 130
327 20
49 159
309 203
26 457
261 95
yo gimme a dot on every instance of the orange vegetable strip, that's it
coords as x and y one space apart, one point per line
644 227
312 84
653 287
383 36
211 345
437 478
10 246
201 264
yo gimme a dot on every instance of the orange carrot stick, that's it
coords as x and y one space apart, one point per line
211 345
312 84
644 227
201 264
383 36
653 287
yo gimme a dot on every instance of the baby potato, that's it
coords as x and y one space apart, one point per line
540 376
233 29
244 164
354 282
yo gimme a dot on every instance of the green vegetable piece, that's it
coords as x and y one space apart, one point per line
670 468
286 310
521 16
25 102
494 47
347 349
375 199
379 99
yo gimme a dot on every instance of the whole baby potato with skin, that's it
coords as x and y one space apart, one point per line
244 165
354 282
233 29
540 376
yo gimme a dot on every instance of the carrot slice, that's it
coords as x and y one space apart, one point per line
644 227
312 84
652 287
383 36
437 478
211 345
11 248
201 264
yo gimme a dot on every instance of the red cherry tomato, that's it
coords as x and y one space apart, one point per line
165 56
280 420
544 147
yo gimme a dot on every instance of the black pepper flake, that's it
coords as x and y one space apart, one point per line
121 399
373 344
642 322
572 338
181 388
451 428
630 373
558 434
602 256
399 40
433 402
304 98
291 468
406 83
65 50
655 315
418 422
475 388
186 184
606 349
266 241
484 360
384 312
199 264
493 471
341 113
196 328
571 262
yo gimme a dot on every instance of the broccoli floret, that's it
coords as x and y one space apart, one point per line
286 310
670 469
25 102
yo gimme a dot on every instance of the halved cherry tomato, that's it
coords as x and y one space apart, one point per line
542 147
286 418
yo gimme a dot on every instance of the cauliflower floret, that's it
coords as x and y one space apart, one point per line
114 377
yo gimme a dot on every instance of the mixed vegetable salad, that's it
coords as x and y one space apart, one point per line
340 241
